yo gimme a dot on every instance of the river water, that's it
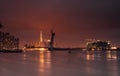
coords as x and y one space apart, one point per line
60 63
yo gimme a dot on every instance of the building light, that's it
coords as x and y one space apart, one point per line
114 48
48 40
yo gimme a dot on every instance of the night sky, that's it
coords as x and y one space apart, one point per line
74 21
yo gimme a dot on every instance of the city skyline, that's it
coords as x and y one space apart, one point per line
73 21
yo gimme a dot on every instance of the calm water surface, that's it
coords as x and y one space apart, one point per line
60 63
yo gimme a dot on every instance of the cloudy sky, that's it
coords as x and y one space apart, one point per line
74 21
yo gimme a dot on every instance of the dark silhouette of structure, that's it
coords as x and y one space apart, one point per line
52 48
52 40
1 25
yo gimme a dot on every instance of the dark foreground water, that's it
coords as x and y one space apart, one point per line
59 63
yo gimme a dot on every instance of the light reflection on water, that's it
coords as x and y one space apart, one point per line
60 63
44 62
103 55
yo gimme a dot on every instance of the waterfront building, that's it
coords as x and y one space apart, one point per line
8 42
99 45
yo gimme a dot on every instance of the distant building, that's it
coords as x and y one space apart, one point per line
99 45
41 44
8 42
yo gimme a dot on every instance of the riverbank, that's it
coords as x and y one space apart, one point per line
11 51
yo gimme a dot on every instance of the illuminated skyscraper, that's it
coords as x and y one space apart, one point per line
41 41
41 36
